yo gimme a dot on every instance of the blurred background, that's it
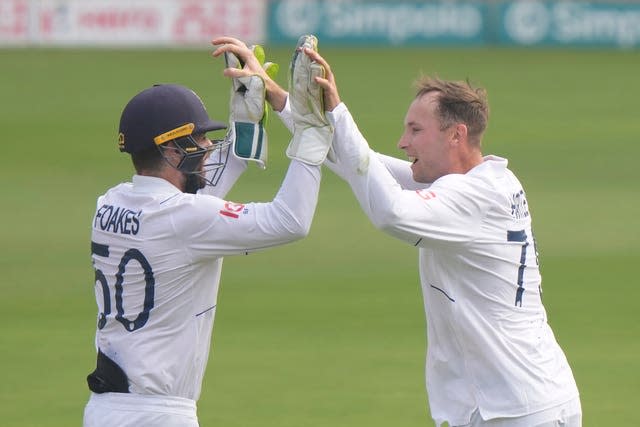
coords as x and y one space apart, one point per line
613 23
328 331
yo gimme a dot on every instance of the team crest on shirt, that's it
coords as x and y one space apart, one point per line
232 209
426 194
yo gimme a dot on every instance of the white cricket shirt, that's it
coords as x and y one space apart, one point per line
489 344
158 254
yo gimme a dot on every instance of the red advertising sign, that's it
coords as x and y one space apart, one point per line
130 22
197 20
14 20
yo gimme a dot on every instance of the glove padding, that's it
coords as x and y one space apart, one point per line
312 134
248 111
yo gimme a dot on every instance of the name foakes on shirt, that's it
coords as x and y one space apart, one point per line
116 219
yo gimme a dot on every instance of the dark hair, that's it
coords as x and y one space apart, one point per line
458 102
148 160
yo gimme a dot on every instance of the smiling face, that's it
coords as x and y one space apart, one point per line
425 143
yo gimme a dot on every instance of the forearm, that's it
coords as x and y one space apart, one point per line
232 171
289 216
350 149
299 193
379 194
276 96
285 114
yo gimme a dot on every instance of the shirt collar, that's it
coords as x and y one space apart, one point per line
491 162
153 184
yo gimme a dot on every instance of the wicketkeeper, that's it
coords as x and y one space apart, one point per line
158 242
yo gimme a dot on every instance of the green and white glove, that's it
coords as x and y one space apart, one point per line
312 132
248 110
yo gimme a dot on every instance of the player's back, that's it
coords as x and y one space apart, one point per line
156 302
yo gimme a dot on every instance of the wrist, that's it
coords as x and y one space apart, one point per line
276 96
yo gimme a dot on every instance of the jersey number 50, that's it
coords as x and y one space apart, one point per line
149 288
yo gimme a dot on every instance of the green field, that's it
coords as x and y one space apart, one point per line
328 331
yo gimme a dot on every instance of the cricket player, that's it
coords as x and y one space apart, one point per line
158 242
492 358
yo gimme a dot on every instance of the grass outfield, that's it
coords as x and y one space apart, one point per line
328 331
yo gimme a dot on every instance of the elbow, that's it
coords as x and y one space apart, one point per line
385 219
301 233
295 226
296 230
383 222
299 229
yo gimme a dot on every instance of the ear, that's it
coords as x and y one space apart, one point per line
459 133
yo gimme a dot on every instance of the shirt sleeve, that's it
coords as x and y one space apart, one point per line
401 172
228 228
230 174
442 213
286 116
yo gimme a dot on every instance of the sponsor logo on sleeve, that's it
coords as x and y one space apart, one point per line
232 209
426 194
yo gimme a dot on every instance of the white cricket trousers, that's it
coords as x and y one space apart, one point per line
566 415
139 410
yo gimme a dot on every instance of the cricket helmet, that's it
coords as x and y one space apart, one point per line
169 112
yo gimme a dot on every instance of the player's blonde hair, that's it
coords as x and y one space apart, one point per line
458 102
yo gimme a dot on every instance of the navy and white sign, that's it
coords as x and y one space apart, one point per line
377 22
533 22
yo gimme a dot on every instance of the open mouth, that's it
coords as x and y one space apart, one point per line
413 160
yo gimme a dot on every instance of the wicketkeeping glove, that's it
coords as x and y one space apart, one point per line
248 110
312 134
